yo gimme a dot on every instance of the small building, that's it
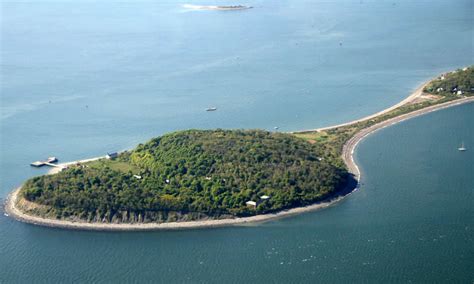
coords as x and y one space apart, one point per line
208 178
459 92
439 90
167 181
264 197
137 176
464 69
251 203
111 155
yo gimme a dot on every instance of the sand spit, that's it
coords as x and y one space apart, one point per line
347 155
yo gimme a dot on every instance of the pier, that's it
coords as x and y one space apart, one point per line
49 162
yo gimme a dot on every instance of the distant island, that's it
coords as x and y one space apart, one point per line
203 178
220 7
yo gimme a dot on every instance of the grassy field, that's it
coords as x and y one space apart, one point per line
117 165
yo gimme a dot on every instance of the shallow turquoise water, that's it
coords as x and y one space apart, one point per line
81 78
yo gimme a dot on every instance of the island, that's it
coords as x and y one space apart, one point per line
205 178
219 8
190 175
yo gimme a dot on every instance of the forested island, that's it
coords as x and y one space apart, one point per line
190 175
219 174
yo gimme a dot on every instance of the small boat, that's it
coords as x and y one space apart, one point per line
52 160
462 148
5 214
211 109
276 127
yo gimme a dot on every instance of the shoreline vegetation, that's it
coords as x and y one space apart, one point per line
450 89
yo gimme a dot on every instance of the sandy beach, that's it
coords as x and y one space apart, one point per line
411 98
60 166
351 144
347 155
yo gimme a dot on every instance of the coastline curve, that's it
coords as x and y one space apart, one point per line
347 155
351 144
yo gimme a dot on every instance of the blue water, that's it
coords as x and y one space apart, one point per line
80 78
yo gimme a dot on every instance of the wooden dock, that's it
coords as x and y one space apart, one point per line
49 162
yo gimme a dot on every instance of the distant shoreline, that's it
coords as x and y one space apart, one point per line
347 156
217 8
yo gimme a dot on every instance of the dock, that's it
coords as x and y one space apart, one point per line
49 162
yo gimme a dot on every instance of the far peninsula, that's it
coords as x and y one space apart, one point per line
217 8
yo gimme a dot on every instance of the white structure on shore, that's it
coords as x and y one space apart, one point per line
111 155
251 203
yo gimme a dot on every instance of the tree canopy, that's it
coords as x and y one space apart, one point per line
449 84
193 174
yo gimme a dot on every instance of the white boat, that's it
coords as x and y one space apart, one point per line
52 160
462 148
211 109
6 214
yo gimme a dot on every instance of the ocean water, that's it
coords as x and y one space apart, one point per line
80 78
